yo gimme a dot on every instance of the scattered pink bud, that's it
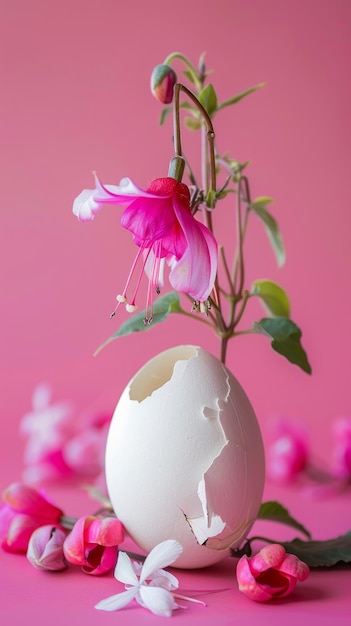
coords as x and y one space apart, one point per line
271 573
93 544
287 456
163 79
342 447
25 510
45 548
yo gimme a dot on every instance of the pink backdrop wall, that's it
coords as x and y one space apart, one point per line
74 96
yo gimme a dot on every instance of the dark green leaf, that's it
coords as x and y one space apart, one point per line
271 226
321 553
285 335
169 303
239 97
273 296
276 512
208 99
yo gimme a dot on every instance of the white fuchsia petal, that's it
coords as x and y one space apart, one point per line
124 571
158 600
162 555
118 601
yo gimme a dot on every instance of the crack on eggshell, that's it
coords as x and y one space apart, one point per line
211 523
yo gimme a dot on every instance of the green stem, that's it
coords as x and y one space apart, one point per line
193 70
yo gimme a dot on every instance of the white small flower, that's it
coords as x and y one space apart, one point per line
152 589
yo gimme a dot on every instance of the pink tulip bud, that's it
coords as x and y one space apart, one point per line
163 79
25 509
271 573
45 548
93 544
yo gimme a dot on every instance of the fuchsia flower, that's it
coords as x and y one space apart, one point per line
93 544
288 455
163 227
45 548
25 510
272 573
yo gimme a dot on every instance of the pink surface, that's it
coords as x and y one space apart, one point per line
75 97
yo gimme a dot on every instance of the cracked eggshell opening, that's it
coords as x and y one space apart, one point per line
184 457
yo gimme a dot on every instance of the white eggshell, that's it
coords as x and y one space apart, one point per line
185 458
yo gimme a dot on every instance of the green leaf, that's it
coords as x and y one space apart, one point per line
239 96
285 335
169 303
208 99
192 124
190 76
271 226
321 553
276 512
274 299
164 114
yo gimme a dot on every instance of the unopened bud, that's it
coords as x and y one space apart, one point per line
163 79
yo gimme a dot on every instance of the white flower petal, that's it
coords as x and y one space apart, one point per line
162 578
84 205
158 601
118 601
160 556
124 571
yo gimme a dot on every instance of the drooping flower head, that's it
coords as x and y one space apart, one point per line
270 574
163 79
163 228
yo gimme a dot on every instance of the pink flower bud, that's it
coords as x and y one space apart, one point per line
271 573
45 548
287 456
163 79
25 509
93 544
342 447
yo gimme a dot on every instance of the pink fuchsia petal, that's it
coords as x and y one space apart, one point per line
92 556
45 548
196 270
74 545
100 560
247 583
24 499
294 567
270 556
107 531
19 533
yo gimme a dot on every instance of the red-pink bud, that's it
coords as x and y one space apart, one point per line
163 79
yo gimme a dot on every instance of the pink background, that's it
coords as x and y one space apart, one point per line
75 97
